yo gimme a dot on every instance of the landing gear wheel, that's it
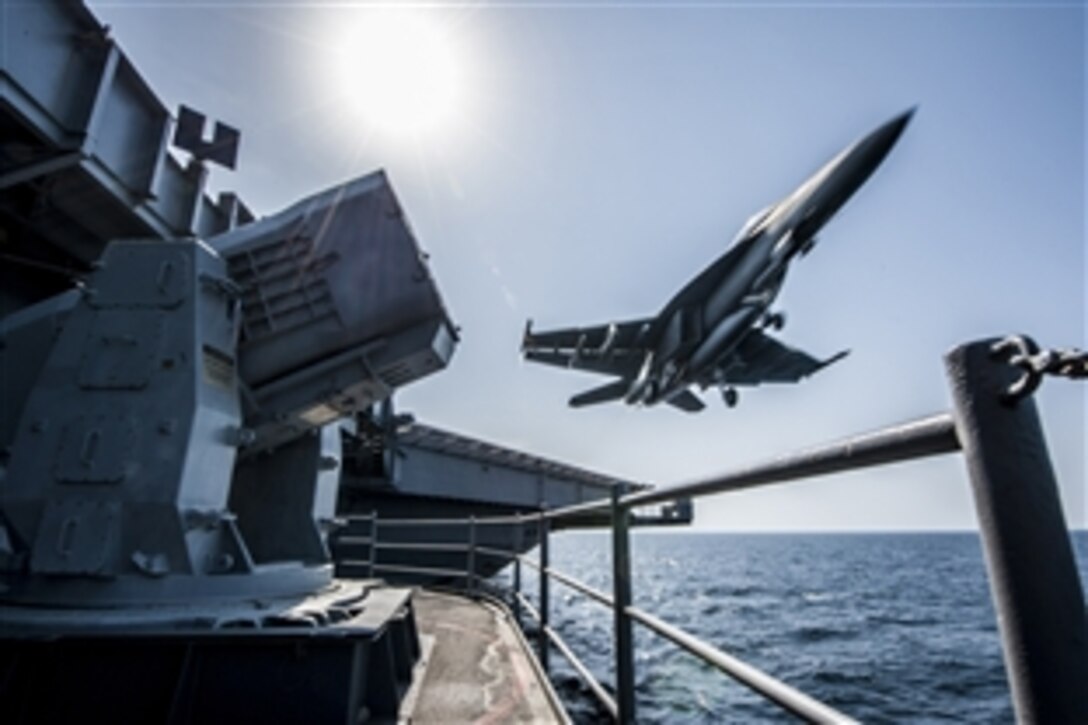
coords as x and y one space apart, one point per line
774 320
729 395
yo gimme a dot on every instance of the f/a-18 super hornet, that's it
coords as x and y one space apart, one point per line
712 333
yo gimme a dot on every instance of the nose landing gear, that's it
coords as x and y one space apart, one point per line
729 395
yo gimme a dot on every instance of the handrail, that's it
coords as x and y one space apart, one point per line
526 560
602 695
447 521
925 437
443 546
500 553
421 570
529 608
774 690
1020 524
920 438
580 587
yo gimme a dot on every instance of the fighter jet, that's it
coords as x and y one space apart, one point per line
713 332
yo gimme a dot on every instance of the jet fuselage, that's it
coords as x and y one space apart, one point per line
712 313
711 333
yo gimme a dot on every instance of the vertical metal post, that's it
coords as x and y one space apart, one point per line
542 639
470 567
621 596
518 542
1033 576
373 544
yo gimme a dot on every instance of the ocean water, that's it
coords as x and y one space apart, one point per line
888 628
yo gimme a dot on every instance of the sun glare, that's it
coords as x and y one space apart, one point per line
398 73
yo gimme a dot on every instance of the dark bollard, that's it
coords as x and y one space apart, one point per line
1033 575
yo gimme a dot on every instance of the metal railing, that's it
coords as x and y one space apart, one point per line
1034 582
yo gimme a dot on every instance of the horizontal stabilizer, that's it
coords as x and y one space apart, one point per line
687 401
605 393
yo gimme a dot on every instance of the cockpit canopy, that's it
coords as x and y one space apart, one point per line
754 224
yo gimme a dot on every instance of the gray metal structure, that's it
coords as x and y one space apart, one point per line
84 154
711 333
399 469
169 471
169 435
174 377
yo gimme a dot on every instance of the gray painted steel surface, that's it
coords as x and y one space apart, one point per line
134 434
440 479
426 461
345 656
338 309
85 148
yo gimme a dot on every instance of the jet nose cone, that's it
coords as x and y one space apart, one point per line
886 136
894 128
874 147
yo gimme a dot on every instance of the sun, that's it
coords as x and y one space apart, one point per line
399 73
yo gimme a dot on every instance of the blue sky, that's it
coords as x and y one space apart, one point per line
602 154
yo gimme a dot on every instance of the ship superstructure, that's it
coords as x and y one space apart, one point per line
185 388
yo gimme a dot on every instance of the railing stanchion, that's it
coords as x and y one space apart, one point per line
1033 575
518 540
373 558
542 639
470 566
621 599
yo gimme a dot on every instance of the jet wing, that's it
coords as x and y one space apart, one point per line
613 349
761 358
703 283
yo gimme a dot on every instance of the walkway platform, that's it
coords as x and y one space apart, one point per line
477 667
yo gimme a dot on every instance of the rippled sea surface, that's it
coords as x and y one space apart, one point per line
885 627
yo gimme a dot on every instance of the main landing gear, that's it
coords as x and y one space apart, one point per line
729 395
775 320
